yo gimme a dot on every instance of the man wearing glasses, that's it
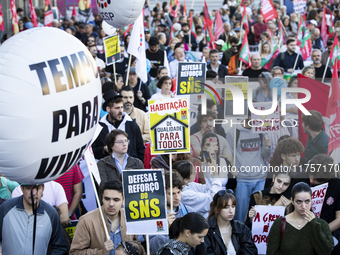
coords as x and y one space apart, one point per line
112 166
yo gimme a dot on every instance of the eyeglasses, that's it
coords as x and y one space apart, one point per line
221 193
234 46
122 142
90 40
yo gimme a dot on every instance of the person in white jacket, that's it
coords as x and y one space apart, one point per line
197 196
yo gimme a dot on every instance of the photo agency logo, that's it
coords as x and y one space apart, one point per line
269 111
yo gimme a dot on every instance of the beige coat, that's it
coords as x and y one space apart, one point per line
89 236
142 121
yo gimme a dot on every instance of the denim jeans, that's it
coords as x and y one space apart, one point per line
242 194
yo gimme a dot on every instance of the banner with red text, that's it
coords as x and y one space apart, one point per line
267 10
265 123
262 222
169 125
319 193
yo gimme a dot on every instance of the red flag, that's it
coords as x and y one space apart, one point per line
172 33
218 25
324 27
245 52
333 111
2 27
127 29
267 10
245 20
207 18
74 13
174 12
319 96
15 26
33 15
185 9
335 52
48 14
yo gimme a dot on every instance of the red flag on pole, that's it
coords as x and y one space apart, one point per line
2 27
48 14
33 14
185 9
267 10
319 96
218 25
207 18
333 111
245 52
245 20
74 13
15 26
174 12
324 27
335 52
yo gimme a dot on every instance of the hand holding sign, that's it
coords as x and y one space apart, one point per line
109 246
252 212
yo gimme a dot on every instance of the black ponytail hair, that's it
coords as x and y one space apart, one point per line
194 222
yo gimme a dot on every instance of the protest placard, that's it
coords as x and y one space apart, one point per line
299 6
241 83
70 229
144 200
112 50
169 125
190 76
319 193
265 123
262 222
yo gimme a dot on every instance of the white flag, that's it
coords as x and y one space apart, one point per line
137 47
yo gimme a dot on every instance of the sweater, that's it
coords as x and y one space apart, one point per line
314 238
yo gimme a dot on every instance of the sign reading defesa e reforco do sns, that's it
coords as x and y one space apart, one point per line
144 198
169 125
190 78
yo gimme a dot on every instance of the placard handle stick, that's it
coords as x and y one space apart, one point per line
147 245
235 145
99 204
324 73
171 198
114 72
128 71
192 4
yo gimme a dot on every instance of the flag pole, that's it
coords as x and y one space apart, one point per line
114 72
324 73
297 57
128 71
192 4
147 245
171 197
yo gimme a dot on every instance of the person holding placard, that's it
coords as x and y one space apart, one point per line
227 236
330 211
185 234
196 195
165 84
270 196
179 210
300 232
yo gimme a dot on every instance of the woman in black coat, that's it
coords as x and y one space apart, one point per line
227 236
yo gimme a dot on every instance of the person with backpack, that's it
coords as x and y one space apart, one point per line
179 210
300 232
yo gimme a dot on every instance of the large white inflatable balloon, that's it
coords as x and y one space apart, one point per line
50 98
108 29
120 13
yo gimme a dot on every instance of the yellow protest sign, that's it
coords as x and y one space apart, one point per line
169 125
112 49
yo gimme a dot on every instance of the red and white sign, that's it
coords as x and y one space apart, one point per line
319 193
262 222
267 10
265 123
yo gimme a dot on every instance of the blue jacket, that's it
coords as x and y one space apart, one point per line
17 229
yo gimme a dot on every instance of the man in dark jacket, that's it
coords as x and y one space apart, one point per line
221 70
111 166
116 118
230 52
287 59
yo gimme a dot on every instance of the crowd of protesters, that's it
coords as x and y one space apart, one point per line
213 211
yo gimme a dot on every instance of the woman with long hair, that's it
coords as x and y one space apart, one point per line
185 234
263 93
271 195
265 50
165 84
300 232
100 38
227 236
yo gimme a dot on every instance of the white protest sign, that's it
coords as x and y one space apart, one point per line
265 123
299 6
319 193
262 222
